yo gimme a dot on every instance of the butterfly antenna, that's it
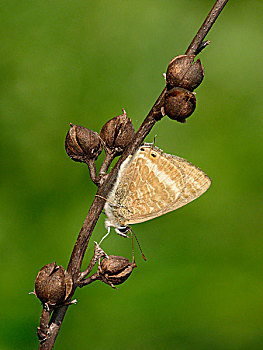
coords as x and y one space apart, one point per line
133 234
133 258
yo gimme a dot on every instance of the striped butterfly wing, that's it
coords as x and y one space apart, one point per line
153 183
163 183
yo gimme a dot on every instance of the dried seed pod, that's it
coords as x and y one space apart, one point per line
114 264
53 284
117 133
121 276
179 104
183 72
82 144
115 269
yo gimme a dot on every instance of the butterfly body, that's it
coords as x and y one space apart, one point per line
151 183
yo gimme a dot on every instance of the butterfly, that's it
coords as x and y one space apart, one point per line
151 183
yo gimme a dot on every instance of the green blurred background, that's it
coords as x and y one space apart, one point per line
82 62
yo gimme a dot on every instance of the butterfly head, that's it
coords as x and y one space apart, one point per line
120 229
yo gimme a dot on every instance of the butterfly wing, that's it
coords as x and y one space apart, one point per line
166 184
153 183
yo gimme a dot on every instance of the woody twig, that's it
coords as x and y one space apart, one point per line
178 102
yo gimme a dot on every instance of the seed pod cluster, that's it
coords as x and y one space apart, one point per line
53 284
117 133
182 77
84 145
115 269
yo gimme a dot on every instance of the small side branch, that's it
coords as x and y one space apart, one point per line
93 171
205 27
98 254
43 329
89 280
106 164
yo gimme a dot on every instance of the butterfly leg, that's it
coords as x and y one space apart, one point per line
122 230
123 235
108 232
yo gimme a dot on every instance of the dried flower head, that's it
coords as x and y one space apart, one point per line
117 133
115 269
179 104
82 144
183 72
53 284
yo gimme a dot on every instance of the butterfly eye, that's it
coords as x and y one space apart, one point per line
153 155
142 149
123 229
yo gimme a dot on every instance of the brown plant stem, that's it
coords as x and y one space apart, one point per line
43 328
106 163
81 244
98 254
89 280
93 171
205 27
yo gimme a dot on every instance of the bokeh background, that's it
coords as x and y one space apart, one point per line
82 62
